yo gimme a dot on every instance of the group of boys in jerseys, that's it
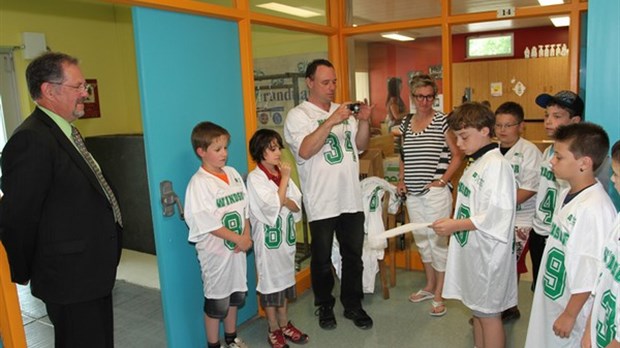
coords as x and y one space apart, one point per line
576 290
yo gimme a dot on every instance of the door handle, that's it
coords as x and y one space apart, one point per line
169 199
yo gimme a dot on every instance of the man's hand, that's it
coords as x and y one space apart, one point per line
365 111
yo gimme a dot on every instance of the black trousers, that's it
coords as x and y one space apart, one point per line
349 229
85 324
537 247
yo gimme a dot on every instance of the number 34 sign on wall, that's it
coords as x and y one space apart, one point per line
91 103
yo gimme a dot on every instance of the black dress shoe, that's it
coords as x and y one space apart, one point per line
327 320
360 318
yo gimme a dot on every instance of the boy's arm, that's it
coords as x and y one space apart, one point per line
285 171
524 195
447 226
563 325
243 241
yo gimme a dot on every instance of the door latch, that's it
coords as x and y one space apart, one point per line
169 199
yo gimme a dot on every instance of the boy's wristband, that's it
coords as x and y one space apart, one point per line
442 181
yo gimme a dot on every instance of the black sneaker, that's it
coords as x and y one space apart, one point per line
511 314
359 317
327 320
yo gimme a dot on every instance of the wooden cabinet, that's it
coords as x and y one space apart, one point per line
539 75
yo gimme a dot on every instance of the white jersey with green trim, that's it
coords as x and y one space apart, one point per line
570 264
211 203
525 159
273 232
605 324
330 178
481 268
547 195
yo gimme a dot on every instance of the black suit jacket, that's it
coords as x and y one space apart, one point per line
57 224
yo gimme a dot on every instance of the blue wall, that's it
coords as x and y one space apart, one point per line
603 69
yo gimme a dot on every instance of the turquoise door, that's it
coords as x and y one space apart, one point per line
188 71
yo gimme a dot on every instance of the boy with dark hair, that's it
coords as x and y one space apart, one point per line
481 270
524 157
581 224
603 332
275 207
561 109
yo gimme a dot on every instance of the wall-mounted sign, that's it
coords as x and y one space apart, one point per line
91 103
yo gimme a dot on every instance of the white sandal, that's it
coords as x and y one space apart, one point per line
436 305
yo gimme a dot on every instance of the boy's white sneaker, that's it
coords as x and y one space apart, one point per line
237 343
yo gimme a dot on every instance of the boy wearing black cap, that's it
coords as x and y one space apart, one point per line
561 109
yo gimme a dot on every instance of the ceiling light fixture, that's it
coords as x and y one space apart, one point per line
397 36
290 10
550 2
560 21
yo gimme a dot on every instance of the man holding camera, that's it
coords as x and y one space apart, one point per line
325 138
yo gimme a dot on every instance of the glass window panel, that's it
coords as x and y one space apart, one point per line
383 59
362 12
280 61
312 11
474 6
498 45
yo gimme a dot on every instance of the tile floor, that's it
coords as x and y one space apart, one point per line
138 316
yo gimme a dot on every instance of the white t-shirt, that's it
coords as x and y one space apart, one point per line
481 269
210 203
273 232
525 159
570 264
606 307
330 178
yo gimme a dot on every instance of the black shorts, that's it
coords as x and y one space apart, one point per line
218 308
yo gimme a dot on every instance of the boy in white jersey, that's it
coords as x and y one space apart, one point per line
561 109
581 225
481 266
602 328
275 207
216 211
524 157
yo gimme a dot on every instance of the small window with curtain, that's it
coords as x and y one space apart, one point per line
490 46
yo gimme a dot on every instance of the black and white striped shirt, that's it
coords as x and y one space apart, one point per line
426 153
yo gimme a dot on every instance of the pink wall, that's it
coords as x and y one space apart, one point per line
397 59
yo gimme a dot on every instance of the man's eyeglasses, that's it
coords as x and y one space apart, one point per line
80 88
506 126
420 97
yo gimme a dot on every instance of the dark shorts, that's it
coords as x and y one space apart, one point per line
218 308
277 299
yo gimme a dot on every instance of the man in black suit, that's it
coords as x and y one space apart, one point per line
61 226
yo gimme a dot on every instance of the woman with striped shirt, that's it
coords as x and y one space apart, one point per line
429 158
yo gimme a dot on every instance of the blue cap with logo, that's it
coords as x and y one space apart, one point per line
566 99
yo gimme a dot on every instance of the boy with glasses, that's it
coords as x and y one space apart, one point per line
524 157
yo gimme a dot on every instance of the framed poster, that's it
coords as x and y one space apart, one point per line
91 103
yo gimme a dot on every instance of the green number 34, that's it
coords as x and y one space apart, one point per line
335 154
